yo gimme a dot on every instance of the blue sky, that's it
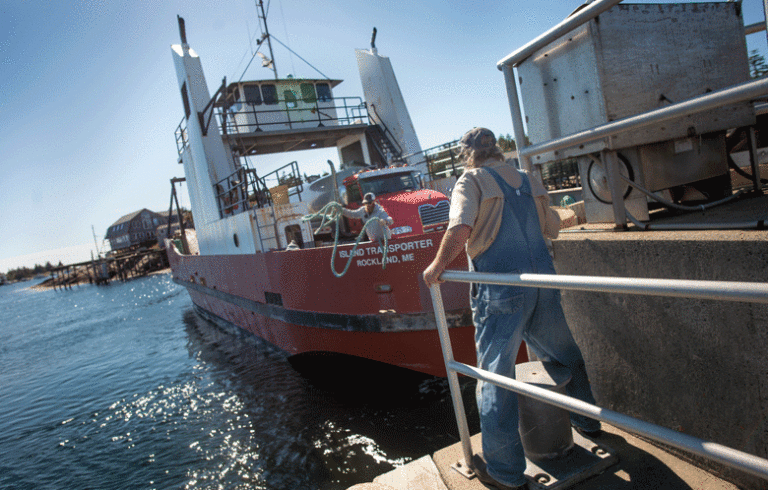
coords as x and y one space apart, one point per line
90 103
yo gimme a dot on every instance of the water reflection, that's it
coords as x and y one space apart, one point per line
317 423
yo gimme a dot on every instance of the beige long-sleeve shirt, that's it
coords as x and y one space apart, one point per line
376 230
477 201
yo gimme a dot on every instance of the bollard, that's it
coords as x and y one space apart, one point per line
545 430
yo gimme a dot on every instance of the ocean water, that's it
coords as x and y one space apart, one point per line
124 387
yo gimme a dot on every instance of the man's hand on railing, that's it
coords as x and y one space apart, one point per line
432 273
451 246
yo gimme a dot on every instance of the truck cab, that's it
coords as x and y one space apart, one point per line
399 190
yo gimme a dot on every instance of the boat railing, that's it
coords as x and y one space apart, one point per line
710 290
748 91
395 150
246 117
291 180
443 159
243 189
232 192
258 192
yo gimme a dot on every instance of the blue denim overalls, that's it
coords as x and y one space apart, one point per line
506 315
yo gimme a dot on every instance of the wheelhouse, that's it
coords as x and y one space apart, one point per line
274 105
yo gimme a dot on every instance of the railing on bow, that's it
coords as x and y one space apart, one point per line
711 290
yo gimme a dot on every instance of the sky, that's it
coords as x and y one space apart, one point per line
90 102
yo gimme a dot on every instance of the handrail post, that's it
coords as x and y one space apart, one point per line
754 159
517 117
765 16
453 379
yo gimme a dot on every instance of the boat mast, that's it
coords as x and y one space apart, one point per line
263 18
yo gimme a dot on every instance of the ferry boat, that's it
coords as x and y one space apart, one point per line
260 266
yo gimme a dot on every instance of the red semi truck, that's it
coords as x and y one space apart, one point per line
400 191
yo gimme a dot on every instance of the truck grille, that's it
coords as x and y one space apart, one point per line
434 214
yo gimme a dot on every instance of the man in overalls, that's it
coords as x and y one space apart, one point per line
501 216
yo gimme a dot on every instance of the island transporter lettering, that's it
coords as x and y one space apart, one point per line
392 249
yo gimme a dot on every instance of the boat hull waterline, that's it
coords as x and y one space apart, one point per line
292 300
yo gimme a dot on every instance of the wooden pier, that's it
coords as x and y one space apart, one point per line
121 267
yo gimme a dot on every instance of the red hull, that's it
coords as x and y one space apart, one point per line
292 300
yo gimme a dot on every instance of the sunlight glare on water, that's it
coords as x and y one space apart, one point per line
124 386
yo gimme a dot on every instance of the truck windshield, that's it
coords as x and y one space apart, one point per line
386 184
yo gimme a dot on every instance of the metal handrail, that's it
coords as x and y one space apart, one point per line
293 180
348 111
429 156
718 290
378 121
572 22
731 95
753 28
234 185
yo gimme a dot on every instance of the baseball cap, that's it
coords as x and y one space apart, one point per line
479 139
369 197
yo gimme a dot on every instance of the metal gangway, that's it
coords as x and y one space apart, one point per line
750 292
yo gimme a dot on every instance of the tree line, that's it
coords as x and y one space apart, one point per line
25 272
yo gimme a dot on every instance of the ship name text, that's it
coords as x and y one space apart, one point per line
374 251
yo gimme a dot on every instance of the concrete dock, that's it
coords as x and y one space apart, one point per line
692 365
641 465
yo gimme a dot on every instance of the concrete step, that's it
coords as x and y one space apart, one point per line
640 465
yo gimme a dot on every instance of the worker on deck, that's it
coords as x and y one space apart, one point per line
379 228
501 215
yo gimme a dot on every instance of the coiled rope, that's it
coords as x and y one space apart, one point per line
331 213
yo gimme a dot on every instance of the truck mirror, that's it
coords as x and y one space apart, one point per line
343 195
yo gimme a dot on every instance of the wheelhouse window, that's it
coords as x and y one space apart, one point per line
252 94
269 94
323 92
290 99
234 98
308 93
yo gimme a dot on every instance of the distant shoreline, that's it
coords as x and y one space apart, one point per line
48 283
